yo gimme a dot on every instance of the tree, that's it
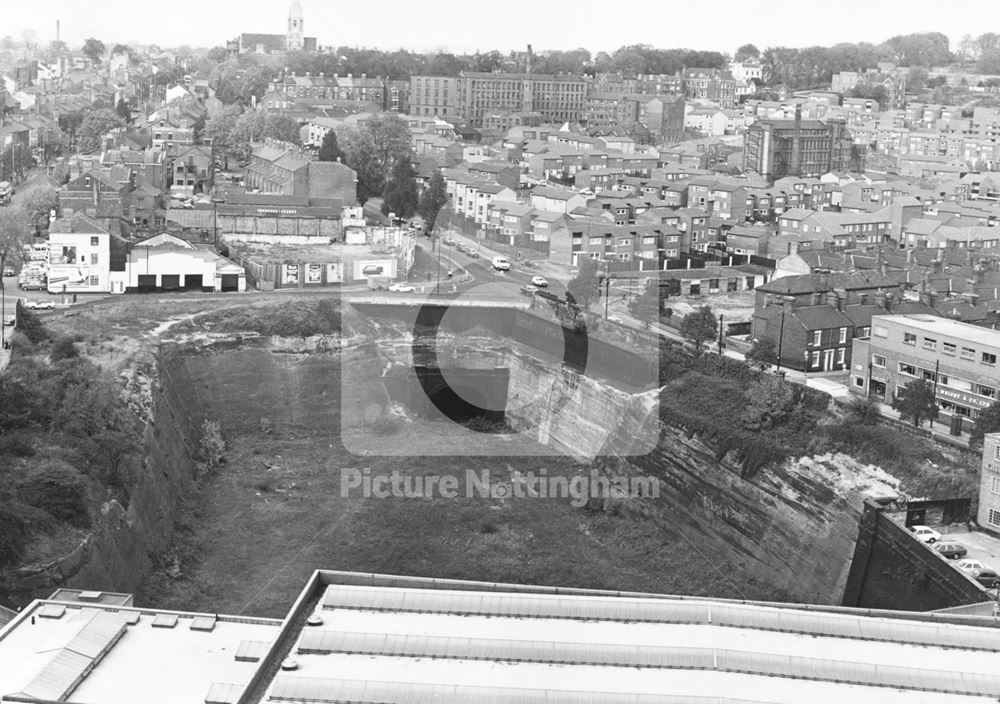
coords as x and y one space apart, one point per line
400 194
583 288
432 200
255 126
58 489
763 352
700 326
646 307
390 138
219 129
93 49
124 110
329 150
987 422
915 402
770 400
38 201
13 233
359 154
94 126
747 51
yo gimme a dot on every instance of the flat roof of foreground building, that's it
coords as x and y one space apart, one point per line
352 637
104 654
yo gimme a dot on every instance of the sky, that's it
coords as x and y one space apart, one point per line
461 26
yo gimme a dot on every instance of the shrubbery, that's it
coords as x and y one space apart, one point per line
56 488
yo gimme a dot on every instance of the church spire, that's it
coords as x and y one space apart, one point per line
295 30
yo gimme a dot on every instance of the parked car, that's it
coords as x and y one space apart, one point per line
988 578
472 253
539 281
529 290
402 288
40 305
925 534
970 565
448 241
950 549
10 321
8 271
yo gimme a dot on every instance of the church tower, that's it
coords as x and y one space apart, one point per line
295 31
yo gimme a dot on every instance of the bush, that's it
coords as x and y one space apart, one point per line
212 445
30 325
17 522
57 489
862 410
64 348
16 445
769 402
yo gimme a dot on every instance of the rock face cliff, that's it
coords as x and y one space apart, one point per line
121 547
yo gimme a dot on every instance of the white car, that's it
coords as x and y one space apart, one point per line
402 288
925 534
539 281
973 566
40 305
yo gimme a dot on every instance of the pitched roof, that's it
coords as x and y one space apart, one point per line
811 283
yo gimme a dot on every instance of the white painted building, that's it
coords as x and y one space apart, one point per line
80 257
167 263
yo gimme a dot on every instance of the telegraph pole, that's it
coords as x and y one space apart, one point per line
720 333
781 339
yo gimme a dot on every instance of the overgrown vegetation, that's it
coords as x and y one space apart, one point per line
67 439
300 318
762 420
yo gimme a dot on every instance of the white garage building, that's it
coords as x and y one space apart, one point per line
167 263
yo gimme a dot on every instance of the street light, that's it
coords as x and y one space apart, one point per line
805 362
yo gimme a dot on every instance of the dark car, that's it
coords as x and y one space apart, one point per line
950 549
988 578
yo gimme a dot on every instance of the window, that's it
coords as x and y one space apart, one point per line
859 381
987 391
948 348
909 338
815 359
93 241
878 361
843 335
989 358
907 369
841 355
93 258
817 336
94 281
930 343
968 353
879 331
995 488
994 517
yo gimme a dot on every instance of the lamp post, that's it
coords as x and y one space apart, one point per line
3 314
437 288
805 362
720 333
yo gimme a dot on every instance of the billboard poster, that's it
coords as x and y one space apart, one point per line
64 255
290 274
335 273
364 268
314 273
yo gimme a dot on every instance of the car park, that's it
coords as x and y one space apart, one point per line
539 281
402 288
950 549
925 534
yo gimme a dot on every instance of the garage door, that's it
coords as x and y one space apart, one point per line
170 282
147 282
230 282
192 282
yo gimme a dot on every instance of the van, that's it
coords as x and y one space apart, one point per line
501 264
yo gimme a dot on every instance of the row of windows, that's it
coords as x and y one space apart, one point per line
948 348
939 378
